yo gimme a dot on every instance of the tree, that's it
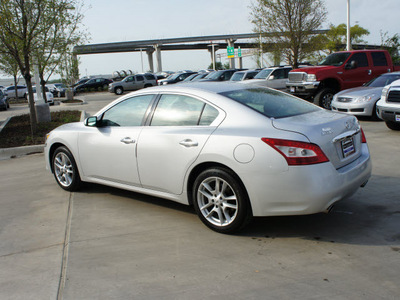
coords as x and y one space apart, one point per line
9 67
337 35
288 25
392 44
23 26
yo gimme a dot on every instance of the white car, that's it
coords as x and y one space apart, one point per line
232 151
388 108
273 77
49 96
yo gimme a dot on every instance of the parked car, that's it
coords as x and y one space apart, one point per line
82 81
3 101
95 83
49 96
339 71
10 91
232 151
388 107
132 83
272 77
361 101
174 78
244 75
200 76
190 78
220 75
62 88
163 74
53 89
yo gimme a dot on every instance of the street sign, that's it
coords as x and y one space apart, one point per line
239 52
231 52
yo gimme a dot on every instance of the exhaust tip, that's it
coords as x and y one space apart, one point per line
328 210
364 184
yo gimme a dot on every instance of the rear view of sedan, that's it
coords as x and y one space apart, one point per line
232 151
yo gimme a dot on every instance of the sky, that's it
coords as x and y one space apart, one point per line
132 20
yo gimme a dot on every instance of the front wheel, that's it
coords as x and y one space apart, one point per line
220 201
119 90
324 98
393 125
65 169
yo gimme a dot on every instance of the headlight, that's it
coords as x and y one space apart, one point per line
365 98
384 93
311 77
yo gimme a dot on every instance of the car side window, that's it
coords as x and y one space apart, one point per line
130 112
177 110
139 78
279 74
208 116
361 59
379 59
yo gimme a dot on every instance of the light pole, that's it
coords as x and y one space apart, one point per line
348 26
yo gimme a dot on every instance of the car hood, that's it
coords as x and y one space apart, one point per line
360 92
325 128
314 69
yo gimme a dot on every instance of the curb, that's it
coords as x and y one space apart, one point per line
7 153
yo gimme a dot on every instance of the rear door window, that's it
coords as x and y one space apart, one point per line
379 59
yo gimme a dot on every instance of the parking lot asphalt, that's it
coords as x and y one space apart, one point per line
105 243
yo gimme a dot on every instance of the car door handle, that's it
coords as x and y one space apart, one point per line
127 140
189 143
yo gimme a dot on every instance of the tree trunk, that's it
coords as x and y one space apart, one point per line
31 102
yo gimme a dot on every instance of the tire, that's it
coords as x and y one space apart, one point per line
119 90
65 170
220 201
324 98
147 85
393 125
375 116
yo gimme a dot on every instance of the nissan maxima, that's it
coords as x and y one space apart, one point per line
232 151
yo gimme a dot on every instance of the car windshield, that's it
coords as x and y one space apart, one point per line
263 74
174 76
270 103
335 59
383 80
237 76
215 75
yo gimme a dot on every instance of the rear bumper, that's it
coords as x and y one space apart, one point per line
308 189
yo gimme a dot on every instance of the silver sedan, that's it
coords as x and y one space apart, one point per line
232 151
361 101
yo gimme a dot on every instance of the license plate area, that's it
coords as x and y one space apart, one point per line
292 89
348 148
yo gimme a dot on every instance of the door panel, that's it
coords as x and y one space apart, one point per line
166 152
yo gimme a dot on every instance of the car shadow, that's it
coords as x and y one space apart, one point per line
367 218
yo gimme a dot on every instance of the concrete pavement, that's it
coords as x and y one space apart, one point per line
123 245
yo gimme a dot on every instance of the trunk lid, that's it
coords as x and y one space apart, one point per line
338 135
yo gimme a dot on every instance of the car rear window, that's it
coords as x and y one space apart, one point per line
270 103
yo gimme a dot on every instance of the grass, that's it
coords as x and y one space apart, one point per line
17 132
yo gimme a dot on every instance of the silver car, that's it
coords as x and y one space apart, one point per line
388 108
361 101
273 77
232 151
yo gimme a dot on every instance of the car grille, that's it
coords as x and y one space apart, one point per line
344 99
394 96
297 76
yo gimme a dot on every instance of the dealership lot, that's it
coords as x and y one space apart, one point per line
107 243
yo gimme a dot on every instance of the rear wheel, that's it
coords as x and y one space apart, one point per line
65 169
220 201
324 98
393 125
119 90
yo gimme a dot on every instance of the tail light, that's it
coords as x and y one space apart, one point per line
297 153
363 138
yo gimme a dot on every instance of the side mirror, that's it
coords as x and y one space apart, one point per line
272 77
91 122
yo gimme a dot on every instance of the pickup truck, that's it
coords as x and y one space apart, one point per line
338 71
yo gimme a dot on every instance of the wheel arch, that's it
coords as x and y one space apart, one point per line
52 149
208 165
332 83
